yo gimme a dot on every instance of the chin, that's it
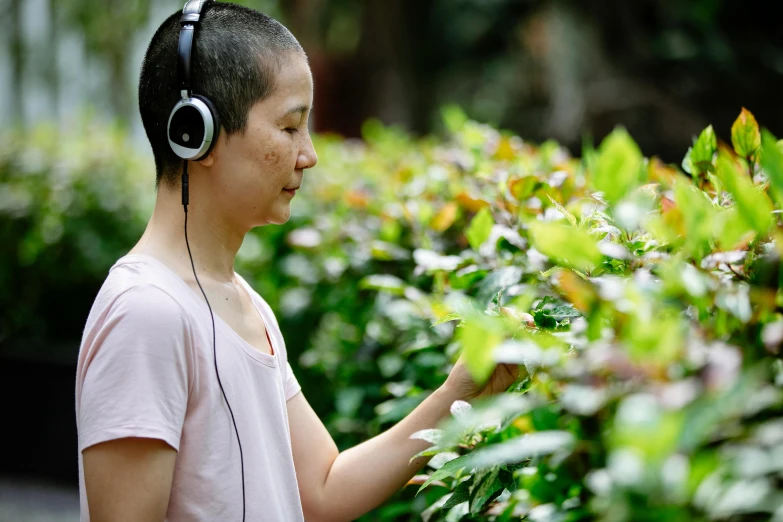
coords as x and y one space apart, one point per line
279 218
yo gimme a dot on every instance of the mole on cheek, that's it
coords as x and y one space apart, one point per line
272 157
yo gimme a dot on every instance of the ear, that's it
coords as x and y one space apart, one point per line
209 159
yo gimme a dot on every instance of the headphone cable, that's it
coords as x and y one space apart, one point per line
185 197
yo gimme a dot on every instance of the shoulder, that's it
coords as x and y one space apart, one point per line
149 304
141 313
258 300
138 290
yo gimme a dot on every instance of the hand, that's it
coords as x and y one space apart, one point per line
461 385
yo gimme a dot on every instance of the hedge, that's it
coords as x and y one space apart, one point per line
641 299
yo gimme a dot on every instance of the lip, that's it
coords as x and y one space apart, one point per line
291 191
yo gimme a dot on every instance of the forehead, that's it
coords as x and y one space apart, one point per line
293 82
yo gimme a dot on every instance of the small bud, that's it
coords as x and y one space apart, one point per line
522 317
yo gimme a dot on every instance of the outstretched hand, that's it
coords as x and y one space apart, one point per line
461 385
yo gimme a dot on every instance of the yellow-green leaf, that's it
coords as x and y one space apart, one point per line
730 229
656 339
745 135
703 150
454 118
450 317
697 217
569 216
772 163
687 163
567 245
478 338
617 166
480 228
752 204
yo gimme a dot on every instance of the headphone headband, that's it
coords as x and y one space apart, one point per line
191 15
194 123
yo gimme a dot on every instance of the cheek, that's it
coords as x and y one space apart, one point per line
279 153
272 157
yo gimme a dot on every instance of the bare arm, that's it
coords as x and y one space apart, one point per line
129 479
338 487
343 486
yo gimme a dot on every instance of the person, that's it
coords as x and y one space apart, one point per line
187 409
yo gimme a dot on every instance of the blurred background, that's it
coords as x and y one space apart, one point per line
556 69
562 69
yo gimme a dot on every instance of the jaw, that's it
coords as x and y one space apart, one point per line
279 212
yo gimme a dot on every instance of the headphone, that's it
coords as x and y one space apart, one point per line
192 132
193 124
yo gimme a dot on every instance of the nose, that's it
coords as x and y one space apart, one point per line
307 156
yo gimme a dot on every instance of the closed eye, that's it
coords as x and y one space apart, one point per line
291 130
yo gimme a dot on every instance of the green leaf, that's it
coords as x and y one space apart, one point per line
618 166
703 150
745 135
461 494
562 313
480 228
520 448
549 318
488 487
479 337
385 251
430 452
569 216
486 414
449 469
383 282
772 163
658 338
507 478
753 205
454 118
698 213
450 317
566 244
730 228
431 435
497 281
466 277
687 163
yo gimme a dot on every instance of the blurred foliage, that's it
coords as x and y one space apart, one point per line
643 302
70 205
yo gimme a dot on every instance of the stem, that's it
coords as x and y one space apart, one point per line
740 276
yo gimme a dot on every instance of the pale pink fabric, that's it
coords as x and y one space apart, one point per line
146 369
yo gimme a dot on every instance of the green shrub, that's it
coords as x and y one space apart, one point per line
70 205
642 302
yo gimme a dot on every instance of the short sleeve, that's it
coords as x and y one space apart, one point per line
290 383
136 378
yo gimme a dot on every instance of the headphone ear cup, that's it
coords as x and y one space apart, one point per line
192 129
215 123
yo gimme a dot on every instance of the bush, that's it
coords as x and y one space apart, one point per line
70 205
641 300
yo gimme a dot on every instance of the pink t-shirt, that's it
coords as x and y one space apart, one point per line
146 369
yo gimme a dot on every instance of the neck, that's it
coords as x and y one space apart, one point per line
214 240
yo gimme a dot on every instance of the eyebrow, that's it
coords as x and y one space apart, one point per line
298 108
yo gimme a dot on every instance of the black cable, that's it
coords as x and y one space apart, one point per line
185 197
